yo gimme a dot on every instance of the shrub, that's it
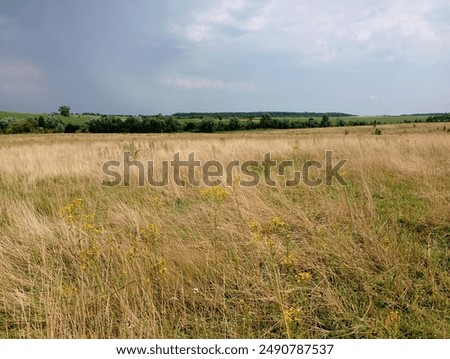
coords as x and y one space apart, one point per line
70 128
266 121
234 124
190 127
4 123
208 125
171 124
22 126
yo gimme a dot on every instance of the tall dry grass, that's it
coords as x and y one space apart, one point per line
370 259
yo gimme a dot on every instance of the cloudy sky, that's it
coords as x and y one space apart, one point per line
149 56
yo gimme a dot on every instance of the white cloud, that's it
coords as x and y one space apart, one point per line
222 21
319 31
197 33
363 35
192 83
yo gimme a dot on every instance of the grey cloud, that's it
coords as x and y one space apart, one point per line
152 56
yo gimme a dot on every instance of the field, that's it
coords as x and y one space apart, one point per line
369 259
73 119
78 119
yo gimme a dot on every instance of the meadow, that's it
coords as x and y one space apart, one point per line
82 119
366 260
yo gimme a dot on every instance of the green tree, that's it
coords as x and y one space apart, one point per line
64 110
325 121
234 124
208 125
266 121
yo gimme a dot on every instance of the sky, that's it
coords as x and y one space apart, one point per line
362 57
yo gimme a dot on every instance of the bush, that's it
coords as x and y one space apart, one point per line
50 124
266 121
5 122
190 127
70 128
132 125
171 124
106 124
325 121
311 123
22 126
340 123
152 125
208 125
234 124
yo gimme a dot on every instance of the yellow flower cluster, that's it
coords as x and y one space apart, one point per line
89 225
292 315
88 255
253 226
149 234
275 227
303 277
217 193
160 265
393 318
289 260
256 233
277 222
74 211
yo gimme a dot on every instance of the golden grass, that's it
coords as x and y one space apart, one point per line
370 259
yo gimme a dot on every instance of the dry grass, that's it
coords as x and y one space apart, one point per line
370 259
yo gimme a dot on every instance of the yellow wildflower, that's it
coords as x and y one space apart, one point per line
393 318
303 277
160 265
289 260
150 233
292 315
277 222
253 226
217 193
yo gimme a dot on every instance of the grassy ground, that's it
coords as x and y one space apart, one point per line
370 259
73 119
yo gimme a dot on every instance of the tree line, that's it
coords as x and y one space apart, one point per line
11 125
170 124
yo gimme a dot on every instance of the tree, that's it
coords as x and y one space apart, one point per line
341 122
171 124
208 125
266 121
234 124
325 121
311 123
70 128
64 110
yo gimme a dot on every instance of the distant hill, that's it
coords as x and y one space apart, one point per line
259 114
426 114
